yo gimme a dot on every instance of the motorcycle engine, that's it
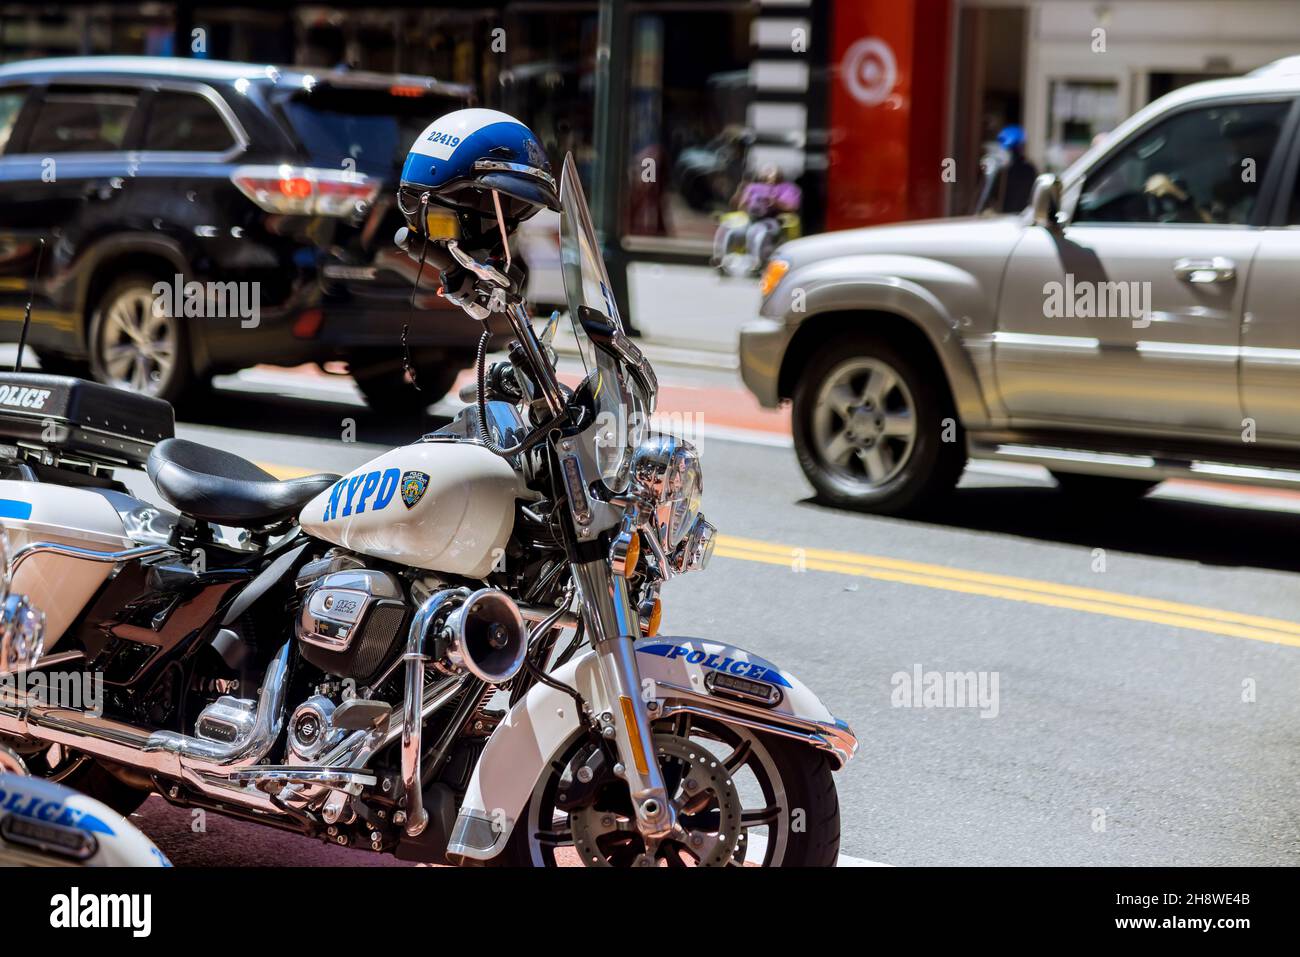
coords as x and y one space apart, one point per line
351 618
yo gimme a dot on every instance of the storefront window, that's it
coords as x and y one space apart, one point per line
29 31
990 60
238 33
1078 111
450 45
689 149
550 80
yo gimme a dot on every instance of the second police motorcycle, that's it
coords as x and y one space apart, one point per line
451 653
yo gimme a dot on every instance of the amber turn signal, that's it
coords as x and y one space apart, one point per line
773 275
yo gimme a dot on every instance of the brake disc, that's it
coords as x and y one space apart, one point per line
708 816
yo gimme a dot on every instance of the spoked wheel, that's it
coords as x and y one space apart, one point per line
134 346
864 422
874 426
708 815
742 798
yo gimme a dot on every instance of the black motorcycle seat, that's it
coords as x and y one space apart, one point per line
218 486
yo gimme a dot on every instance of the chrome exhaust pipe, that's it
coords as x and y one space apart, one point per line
164 753
220 757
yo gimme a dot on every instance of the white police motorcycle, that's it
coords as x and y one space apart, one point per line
450 654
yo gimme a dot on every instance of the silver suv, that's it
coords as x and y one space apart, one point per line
1140 321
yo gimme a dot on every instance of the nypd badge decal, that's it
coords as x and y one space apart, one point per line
413 487
372 491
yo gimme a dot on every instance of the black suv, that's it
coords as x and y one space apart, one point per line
201 217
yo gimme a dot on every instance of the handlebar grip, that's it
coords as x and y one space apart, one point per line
435 253
441 260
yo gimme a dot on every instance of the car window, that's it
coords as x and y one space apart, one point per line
89 121
11 104
186 121
1202 165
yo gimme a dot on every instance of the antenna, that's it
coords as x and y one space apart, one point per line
27 313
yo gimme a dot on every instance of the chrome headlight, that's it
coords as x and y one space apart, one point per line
667 473
694 553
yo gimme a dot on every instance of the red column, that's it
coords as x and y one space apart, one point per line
888 110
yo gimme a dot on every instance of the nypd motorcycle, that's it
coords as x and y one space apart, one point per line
450 654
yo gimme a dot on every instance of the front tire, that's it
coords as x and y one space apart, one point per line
875 428
789 810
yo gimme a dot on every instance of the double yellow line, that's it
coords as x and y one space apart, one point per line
1215 621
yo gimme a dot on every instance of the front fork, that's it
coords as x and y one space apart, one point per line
611 613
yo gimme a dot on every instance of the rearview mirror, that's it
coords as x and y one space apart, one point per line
1046 201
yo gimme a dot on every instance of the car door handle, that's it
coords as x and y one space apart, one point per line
1218 269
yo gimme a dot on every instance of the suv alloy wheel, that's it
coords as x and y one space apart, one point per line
872 428
136 347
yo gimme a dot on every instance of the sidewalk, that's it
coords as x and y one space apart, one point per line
690 318
690 307
687 315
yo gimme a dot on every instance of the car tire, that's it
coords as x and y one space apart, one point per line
1102 488
388 390
875 428
133 348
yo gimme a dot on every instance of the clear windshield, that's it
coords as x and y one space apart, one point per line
620 409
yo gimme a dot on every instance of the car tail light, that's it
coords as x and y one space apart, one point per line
308 324
306 191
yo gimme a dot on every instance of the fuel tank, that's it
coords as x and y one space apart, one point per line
447 506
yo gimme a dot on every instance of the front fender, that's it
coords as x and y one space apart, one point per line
679 675
950 305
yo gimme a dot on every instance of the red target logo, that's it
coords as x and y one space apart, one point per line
869 71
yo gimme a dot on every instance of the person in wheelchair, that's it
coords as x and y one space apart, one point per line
760 206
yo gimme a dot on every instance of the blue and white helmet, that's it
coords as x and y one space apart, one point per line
461 158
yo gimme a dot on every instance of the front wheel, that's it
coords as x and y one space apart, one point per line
742 798
874 426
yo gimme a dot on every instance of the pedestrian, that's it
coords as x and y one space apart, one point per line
1008 175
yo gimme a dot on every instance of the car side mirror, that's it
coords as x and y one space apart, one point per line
1046 201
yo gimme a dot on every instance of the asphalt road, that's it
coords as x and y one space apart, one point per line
1147 659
